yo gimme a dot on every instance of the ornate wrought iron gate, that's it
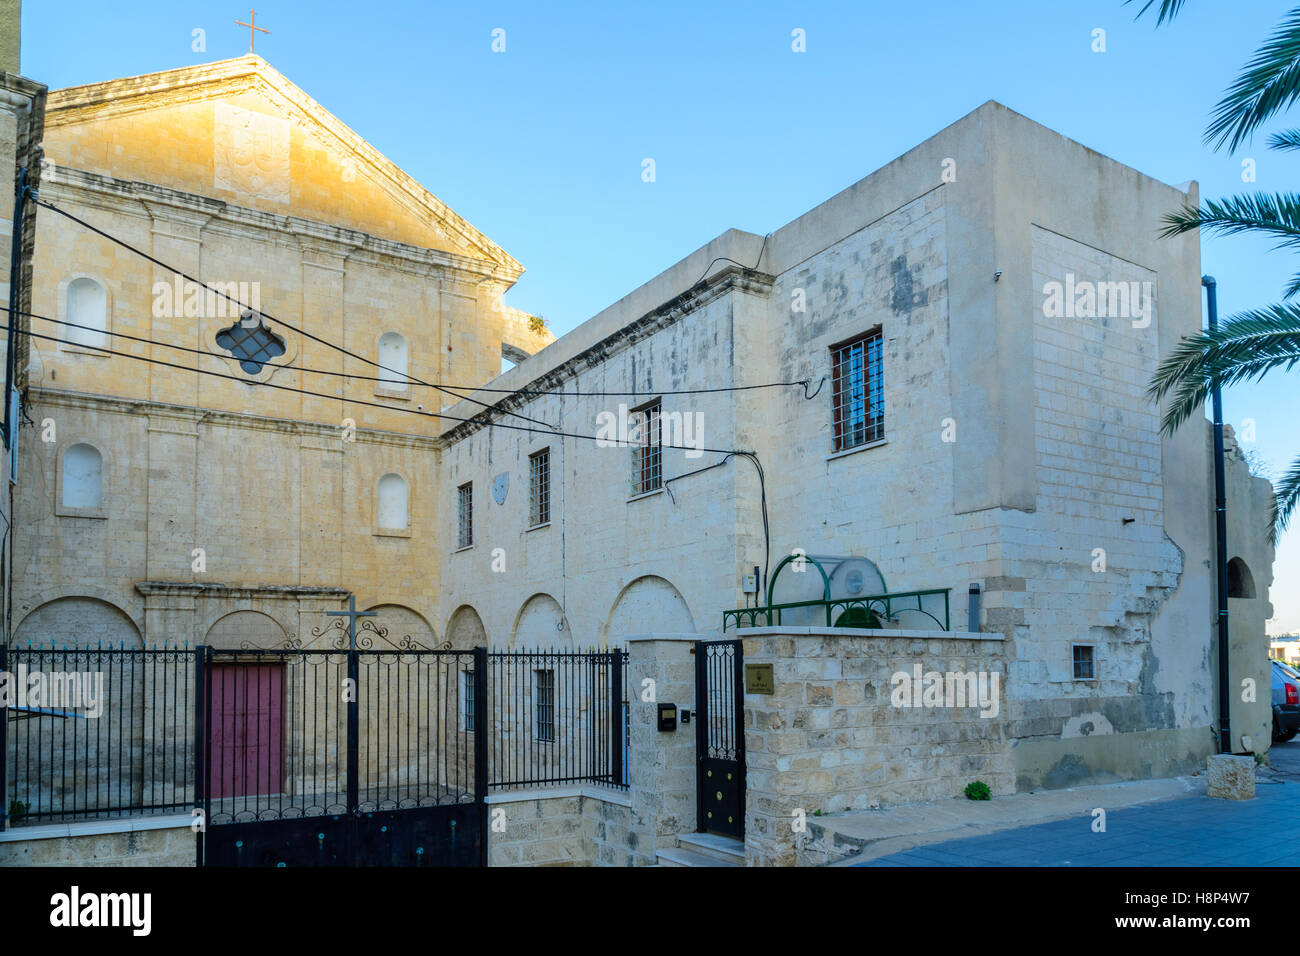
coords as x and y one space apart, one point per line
720 737
343 757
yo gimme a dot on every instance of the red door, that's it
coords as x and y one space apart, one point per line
247 729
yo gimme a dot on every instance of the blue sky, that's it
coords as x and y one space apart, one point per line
541 146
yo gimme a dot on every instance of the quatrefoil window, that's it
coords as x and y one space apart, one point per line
251 342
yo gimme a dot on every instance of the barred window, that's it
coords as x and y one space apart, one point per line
539 488
467 701
251 341
859 391
1085 662
465 515
544 704
647 448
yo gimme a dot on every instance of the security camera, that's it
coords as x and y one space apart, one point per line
419 408
997 275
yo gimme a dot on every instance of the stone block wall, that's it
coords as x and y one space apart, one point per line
832 738
568 827
137 843
662 764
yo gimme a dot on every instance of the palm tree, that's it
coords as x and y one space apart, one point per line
1248 345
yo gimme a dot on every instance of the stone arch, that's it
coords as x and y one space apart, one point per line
541 624
465 629
1241 583
109 596
406 629
79 621
649 603
245 630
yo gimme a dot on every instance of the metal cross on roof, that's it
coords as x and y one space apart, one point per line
252 15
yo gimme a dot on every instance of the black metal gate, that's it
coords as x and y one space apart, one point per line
720 737
343 757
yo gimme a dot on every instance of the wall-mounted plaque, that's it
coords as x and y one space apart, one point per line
759 680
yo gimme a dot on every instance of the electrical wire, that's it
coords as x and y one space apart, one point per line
450 389
388 408
379 378
551 430
303 332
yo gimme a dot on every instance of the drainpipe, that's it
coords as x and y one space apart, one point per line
15 277
1220 532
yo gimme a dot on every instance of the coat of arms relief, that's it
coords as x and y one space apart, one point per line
250 153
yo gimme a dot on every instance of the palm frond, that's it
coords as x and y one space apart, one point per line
1168 9
1286 494
1244 347
1292 287
1269 84
1275 214
1287 139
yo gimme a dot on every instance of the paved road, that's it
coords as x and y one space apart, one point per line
1191 831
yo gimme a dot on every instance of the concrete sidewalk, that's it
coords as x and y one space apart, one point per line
1193 831
872 834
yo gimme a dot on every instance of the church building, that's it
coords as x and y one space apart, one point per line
160 505
907 433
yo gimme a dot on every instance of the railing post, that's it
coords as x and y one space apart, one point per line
738 685
616 716
481 748
354 730
4 746
701 725
200 748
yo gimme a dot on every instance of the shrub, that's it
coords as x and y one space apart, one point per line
979 790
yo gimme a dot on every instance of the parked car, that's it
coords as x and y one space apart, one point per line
1286 701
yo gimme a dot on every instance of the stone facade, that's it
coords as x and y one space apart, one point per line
1020 451
22 122
145 842
582 828
241 495
832 737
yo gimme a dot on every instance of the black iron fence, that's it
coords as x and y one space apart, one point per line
558 717
264 735
282 742
93 733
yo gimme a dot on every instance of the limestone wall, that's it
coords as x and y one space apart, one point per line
835 736
168 842
568 827
1250 573
605 549
286 509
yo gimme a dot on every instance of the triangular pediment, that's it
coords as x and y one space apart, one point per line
240 132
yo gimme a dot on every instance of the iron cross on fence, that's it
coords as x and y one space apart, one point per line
252 15
352 614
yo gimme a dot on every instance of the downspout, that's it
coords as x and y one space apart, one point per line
15 275
10 423
1220 532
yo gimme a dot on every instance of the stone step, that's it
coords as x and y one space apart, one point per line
727 849
684 857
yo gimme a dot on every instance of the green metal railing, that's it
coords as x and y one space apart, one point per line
866 612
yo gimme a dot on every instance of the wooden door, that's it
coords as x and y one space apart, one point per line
247 729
